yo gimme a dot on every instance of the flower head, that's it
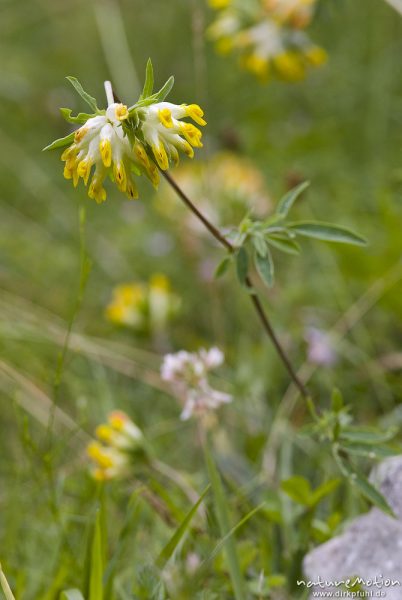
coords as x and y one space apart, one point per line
188 375
267 37
122 142
145 307
117 440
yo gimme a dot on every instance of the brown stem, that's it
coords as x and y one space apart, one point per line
253 296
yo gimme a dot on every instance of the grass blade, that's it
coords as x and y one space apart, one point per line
222 514
5 587
178 535
96 566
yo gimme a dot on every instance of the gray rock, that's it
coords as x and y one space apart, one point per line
370 547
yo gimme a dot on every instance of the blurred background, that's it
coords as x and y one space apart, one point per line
334 307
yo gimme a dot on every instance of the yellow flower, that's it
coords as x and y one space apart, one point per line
267 39
165 133
143 306
218 4
121 142
295 13
112 454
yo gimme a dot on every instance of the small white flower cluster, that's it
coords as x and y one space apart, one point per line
187 372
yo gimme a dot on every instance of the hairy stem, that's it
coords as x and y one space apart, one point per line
109 92
253 296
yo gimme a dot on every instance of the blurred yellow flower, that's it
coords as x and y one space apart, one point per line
295 13
219 3
145 307
117 441
268 39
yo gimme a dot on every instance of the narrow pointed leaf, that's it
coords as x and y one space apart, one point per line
367 436
370 450
286 203
90 100
178 535
165 90
222 267
260 245
327 232
149 80
363 486
65 141
265 267
284 245
222 513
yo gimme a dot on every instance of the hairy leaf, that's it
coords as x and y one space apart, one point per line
286 203
90 100
327 232
65 141
149 80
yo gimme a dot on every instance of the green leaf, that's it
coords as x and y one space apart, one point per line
242 265
265 267
286 203
222 542
371 493
164 91
222 267
369 450
327 232
369 436
336 400
363 486
222 513
174 541
297 488
71 595
149 80
65 141
5 586
96 565
260 245
284 245
324 490
84 95
80 118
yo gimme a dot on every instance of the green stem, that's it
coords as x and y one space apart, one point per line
253 296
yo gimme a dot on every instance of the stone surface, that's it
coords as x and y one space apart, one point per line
370 547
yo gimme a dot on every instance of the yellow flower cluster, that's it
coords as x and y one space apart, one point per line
144 307
121 142
268 37
112 452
